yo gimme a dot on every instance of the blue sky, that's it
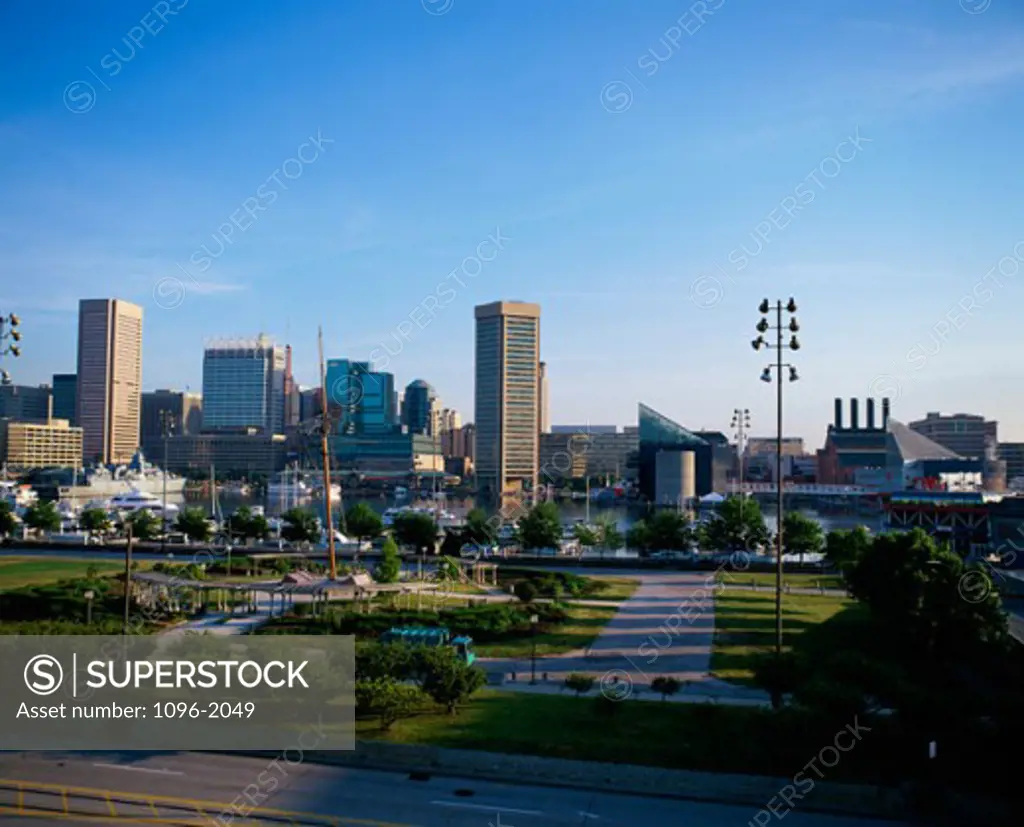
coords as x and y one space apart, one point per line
627 155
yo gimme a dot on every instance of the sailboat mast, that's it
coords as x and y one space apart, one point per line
588 499
325 428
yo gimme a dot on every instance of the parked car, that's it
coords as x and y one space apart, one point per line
674 555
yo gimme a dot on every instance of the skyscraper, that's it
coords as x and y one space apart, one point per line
243 385
507 385
418 407
65 388
182 411
108 398
543 412
361 400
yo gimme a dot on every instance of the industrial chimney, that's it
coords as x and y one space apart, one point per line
839 415
885 412
871 414
854 418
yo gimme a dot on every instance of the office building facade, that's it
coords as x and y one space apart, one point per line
182 411
965 434
418 407
245 451
543 402
108 402
243 385
360 400
65 389
27 446
26 403
506 404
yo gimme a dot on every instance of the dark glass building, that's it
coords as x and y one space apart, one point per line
65 390
417 408
659 433
360 400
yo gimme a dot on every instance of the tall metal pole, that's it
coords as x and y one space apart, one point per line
163 515
778 481
325 429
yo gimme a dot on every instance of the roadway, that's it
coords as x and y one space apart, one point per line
313 794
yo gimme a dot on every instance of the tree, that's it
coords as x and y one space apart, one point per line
801 535
541 527
479 529
388 699
580 684
389 569
639 536
448 680
669 530
8 522
385 660
587 535
665 686
525 590
42 516
611 537
416 530
259 528
363 522
736 525
144 525
94 521
844 547
247 525
300 526
192 523
943 610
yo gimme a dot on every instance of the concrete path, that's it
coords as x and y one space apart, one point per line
665 628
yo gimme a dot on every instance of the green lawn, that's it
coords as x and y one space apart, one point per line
584 624
618 588
745 626
16 572
716 738
767 579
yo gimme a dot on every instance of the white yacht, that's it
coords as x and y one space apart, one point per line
141 501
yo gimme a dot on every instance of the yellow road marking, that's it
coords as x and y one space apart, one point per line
294 817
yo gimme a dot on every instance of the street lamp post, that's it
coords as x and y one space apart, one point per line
534 620
89 595
166 426
763 326
740 424
9 338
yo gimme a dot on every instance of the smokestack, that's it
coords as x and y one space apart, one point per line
885 411
839 415
871 414
854 418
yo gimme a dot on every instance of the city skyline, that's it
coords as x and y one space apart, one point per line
638 205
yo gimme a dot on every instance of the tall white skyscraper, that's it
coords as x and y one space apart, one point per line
109 386
506 396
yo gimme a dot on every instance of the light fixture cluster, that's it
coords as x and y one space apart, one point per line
9 338
763 326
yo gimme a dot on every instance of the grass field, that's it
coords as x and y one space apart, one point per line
745 627
767 579
618 589
716 738
584 624
16 572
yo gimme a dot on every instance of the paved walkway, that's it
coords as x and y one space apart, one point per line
665 628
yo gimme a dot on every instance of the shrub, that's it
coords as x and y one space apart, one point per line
580 684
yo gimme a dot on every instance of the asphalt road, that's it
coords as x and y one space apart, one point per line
346 796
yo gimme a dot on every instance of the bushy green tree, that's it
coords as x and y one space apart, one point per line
8 522
525 590
587 535
736 525
416 530
611 537
669 530
541 527
479 529
362 522
387 699
580 684
94 521
300 526
396 661
447 679
639 536
801 534
389 570
42 516
248 525
144 525
843 547
665 685
193 524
